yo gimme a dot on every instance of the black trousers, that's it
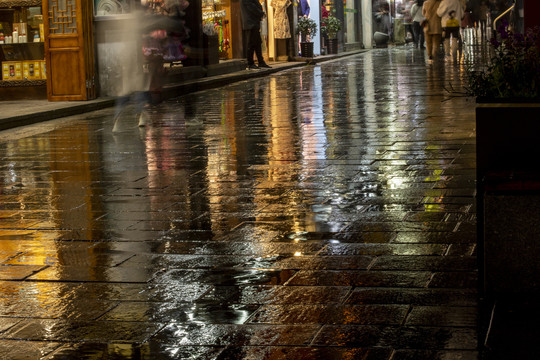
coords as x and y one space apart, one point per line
253 45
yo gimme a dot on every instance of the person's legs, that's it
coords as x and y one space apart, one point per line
429 44
257 45
436 44
483 28
416 32
409 29
455 41
250 49
447 36
120 104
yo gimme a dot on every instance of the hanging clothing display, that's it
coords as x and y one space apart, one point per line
282 29
303 8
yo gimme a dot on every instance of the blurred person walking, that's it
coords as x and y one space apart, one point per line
445 10
417 17
432 28
482 18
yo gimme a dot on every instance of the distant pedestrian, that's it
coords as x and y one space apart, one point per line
252 14
382 19
433 27
451 32
417 17
408 21
446 9
482 18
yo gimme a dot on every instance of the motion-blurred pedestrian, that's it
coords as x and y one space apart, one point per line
432 28
482 18
450 11
417 17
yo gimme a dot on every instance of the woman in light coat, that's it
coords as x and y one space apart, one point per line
433 28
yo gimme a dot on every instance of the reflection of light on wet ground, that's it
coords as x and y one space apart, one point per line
330 183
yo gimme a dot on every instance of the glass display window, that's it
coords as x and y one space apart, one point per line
216 17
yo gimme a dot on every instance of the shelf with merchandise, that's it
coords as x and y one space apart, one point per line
19 3
22 52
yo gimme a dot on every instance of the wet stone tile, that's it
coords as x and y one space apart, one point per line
462 250
238 335
58 307
435 355
225 277
443 316
176 261
366 237
435 237
176 291
304 353
363 336
11 223
458 280
427 263
22 291
200 312
360 278
331 314
107 236
73 259
236 248
82 273
266 294
17 234
66 331
435 338
384 249
301 261
5 256
110 291
156 351
447 297
26 350
18 272
401 226
6 323
92 350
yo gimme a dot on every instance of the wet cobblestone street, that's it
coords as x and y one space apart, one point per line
325 212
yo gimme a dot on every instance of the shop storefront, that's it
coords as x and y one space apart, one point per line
46 56
349 14
22 51
216 18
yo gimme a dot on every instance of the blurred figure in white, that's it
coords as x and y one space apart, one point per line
150 35
444 11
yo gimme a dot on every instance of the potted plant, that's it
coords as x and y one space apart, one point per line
507 92
307 28
330 26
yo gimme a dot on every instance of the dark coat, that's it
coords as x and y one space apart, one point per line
252 14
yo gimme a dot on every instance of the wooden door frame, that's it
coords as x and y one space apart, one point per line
77 42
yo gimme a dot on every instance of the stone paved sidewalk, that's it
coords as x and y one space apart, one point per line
324 212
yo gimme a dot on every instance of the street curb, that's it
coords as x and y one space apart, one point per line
64 111
169 91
